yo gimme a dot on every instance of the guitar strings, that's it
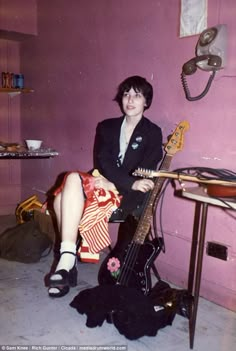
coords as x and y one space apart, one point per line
128 264
133 251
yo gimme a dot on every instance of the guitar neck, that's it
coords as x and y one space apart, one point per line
181 176
147 214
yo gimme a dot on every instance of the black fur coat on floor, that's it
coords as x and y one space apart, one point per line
133 314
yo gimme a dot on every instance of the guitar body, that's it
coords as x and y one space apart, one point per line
138 275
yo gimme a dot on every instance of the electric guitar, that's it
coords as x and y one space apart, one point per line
130 265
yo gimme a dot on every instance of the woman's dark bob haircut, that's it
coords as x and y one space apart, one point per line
140 85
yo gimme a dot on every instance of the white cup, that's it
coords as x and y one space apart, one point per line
33 144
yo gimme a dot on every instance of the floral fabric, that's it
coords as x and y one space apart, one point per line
99 205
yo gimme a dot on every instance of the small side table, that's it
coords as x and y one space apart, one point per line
197 248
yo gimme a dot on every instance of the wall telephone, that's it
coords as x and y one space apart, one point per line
210 56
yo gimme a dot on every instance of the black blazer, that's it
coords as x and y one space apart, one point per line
144 150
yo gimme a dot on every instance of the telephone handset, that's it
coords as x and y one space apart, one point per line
210 56
210 62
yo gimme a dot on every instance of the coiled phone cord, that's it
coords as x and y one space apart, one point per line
186 89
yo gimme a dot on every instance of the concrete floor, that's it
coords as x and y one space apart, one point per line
29 317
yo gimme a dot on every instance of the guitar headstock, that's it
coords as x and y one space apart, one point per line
176 141
144 173
174 144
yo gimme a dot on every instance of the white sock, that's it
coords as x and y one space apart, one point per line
67 260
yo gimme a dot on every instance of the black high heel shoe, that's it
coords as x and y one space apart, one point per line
68 279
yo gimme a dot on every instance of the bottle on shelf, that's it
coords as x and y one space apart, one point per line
12 81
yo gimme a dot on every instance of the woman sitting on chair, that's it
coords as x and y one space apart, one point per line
121 145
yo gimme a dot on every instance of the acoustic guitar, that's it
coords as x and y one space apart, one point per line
131 265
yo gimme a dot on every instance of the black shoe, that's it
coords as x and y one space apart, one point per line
63 284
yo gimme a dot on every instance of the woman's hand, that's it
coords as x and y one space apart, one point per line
143 185
101 182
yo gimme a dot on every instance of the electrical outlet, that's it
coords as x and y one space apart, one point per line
217 250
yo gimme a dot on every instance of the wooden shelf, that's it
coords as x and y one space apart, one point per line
24 153
12 90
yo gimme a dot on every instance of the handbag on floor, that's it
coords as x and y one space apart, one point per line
24 243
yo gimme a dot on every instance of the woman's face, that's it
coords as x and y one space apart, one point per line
133 103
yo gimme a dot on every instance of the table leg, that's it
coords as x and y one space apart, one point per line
193 315
193 254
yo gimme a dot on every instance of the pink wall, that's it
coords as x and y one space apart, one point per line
18 16
81 53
